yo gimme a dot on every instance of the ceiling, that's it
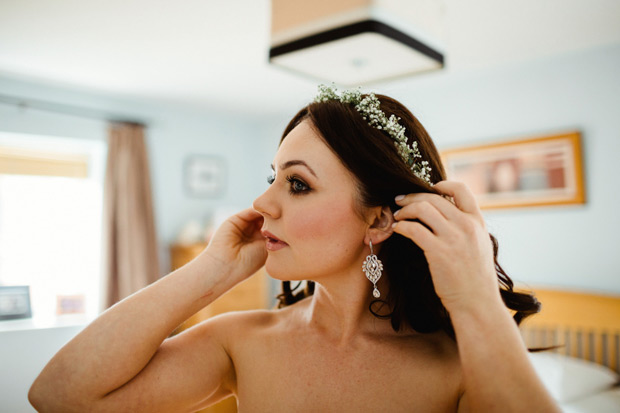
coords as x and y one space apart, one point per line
213 53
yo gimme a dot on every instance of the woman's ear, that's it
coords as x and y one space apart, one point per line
381 225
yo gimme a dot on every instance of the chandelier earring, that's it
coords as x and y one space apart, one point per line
373 267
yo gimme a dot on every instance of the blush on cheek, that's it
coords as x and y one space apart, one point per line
323 225
312 224
324 238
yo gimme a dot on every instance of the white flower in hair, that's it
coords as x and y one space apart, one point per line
370 109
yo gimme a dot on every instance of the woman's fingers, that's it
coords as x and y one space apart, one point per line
426 212
238 243
464 199
456 244
416 232
440 220
248 214
443 205
248 222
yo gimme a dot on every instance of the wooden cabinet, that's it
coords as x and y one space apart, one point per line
249 295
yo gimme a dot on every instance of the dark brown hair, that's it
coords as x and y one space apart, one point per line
381 174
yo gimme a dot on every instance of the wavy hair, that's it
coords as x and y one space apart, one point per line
371 156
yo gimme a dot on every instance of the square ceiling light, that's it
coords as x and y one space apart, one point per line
353 47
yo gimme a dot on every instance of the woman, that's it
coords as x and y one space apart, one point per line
404 311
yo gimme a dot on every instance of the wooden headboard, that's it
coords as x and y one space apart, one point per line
585 325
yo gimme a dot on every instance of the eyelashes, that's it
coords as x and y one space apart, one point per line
296 185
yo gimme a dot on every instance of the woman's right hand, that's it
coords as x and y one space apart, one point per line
238 245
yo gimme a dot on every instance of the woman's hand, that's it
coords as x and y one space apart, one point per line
455 242
238 245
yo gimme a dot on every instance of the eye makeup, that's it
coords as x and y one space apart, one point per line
297 186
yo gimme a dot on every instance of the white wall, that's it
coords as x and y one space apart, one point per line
576 246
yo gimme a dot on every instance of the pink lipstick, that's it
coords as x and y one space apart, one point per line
273 243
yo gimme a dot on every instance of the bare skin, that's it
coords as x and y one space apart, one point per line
327 352
301 366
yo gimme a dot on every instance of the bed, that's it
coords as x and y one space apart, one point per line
582 374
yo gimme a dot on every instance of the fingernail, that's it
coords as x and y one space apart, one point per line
394 225
400 197
396 213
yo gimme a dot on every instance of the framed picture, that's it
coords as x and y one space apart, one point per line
527 172
15 302
205 176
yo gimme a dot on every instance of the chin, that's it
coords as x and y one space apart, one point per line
283 272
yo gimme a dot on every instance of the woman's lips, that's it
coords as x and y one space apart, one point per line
272 242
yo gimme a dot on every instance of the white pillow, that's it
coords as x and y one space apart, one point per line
568 378
607 401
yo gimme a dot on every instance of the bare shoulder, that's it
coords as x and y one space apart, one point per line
229 328
437 350
235 322
442 351
445 349
440 344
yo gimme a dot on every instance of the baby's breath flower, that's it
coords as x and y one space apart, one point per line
370 109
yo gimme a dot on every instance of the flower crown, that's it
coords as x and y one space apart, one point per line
370 109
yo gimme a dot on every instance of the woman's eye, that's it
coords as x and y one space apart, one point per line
271 179
297 186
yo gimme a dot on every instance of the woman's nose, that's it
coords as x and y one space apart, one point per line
265 204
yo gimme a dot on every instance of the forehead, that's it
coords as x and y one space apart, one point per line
304 143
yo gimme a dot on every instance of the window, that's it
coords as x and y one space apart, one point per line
51 199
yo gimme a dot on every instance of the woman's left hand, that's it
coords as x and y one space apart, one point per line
455 242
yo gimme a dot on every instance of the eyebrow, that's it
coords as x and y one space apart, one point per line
288 164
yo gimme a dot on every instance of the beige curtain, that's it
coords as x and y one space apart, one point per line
131 244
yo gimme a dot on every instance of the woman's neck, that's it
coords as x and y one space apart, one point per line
340 304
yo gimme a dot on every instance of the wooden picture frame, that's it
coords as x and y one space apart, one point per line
537 171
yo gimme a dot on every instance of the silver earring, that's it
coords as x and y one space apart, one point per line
372 267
